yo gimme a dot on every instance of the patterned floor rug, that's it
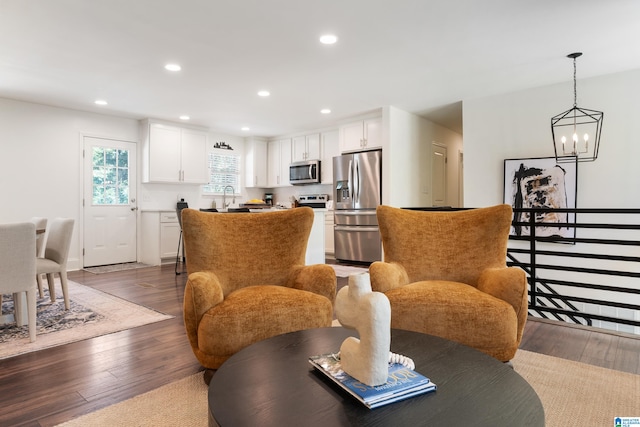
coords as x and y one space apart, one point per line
93 313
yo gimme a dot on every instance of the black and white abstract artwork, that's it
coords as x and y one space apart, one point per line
541 183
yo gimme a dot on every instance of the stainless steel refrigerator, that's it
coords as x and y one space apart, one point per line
357 180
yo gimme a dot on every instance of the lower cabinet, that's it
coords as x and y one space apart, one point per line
159 236
169 235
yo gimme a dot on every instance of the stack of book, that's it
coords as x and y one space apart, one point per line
401 384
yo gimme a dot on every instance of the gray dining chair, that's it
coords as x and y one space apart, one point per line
17 268
56 252
41 224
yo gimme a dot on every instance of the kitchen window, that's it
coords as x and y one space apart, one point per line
224 169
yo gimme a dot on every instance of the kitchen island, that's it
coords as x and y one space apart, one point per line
160 232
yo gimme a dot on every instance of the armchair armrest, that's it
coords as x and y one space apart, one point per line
387 275
508 284
319 279
202 292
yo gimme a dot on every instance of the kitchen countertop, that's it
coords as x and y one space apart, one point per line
223 211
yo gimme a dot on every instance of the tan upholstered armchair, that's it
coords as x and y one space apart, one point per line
445 274
248 280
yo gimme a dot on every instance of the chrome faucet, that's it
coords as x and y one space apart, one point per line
224 196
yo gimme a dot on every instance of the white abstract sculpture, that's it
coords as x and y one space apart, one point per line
358 307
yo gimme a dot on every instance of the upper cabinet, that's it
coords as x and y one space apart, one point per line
256 163
361 135
330 149
194 157
306 147
171 154
279 155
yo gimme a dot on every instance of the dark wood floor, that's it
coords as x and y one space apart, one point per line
52 386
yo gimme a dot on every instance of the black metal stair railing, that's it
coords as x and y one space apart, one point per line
549 302
588 277
591 276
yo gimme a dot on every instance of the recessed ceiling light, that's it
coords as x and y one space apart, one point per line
325 111
184 117
328 39
173 67
264 93
100 102
245 128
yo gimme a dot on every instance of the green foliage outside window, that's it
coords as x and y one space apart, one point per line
110 176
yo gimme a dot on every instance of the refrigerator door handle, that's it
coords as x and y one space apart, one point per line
356 182
371 212
347 228
350 179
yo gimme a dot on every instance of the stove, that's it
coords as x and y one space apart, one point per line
314 200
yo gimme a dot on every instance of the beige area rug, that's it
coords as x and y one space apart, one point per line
576 394
572 393
182 403
93 313
347 270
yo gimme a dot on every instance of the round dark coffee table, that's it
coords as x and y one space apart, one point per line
271 383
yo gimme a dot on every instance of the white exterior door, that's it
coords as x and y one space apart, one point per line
109 202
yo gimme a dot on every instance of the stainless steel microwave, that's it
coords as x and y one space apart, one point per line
306 172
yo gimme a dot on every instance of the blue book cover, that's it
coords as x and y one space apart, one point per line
402 382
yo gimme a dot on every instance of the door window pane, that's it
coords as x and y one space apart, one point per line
110 176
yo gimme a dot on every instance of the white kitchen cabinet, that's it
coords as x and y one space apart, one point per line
169 235
361 135
256 163
330 149
193 155
159 236
171 154
306 147
329 244
279 155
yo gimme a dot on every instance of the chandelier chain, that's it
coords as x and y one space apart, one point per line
575 91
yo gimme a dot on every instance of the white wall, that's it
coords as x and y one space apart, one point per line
40 153
517 125
406 166
41 159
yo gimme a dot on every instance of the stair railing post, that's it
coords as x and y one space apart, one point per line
533 279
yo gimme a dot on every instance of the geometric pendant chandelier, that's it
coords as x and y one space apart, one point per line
576 132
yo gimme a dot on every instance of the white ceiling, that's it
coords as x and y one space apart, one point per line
422 56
